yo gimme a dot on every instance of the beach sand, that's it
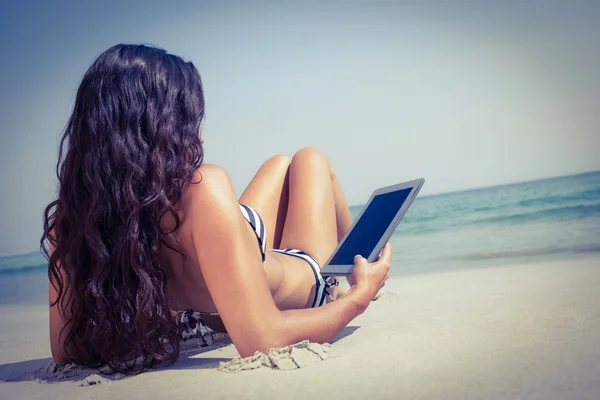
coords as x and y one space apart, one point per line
521 331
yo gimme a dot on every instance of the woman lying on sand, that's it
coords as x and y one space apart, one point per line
144 236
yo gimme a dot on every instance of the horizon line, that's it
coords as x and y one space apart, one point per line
477 188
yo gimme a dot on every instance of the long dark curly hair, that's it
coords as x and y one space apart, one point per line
133 146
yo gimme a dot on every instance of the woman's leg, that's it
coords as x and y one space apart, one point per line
342 211
317 213
267 193
316 192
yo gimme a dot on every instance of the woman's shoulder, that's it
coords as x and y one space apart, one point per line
211 189
208 200
209 183
209 180
212 171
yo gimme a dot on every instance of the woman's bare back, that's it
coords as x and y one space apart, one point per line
288 278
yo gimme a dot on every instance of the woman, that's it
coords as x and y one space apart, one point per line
142 230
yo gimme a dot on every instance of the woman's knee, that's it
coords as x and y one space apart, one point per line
278 162
311 155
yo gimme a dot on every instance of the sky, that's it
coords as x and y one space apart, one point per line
468 94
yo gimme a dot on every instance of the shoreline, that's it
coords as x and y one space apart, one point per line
443 267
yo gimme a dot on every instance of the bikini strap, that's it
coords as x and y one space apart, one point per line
330 281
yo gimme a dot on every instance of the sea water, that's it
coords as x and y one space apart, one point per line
522 222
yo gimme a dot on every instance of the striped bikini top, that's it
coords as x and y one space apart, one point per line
258 225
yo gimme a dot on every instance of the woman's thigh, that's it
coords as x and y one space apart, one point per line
310 223
267 193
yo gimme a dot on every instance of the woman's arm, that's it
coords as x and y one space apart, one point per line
323 323
231 265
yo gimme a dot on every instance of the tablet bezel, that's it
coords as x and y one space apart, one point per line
341 270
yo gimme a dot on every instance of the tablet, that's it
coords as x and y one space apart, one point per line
373 227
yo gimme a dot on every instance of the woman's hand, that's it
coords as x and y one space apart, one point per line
367 279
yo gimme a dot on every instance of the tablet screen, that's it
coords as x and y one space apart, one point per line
370 227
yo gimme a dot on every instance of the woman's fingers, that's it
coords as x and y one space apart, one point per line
386 254
373 274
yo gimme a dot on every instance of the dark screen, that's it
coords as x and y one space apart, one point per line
370 227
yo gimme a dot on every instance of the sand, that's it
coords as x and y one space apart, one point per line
295 356
522 331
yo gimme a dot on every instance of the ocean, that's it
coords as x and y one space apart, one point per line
510 224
